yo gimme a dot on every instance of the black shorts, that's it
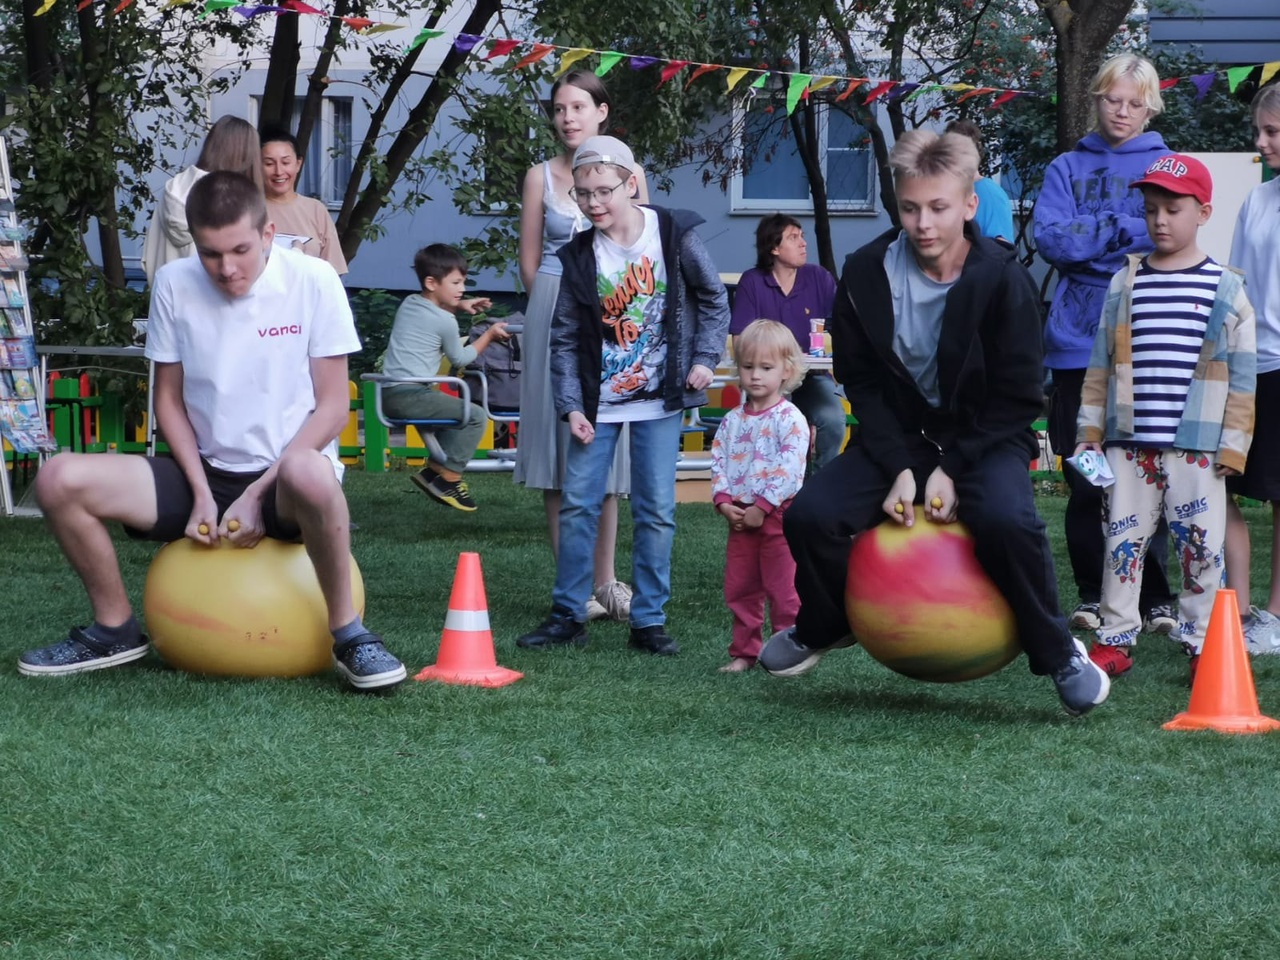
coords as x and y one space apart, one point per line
174 501
1261 478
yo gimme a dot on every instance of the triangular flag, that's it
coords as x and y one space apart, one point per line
702 68
539 51
357 23
84 3
902 89
641 63
501 48
671 69
378 28
466 42
209 5
250 12
796 85
120 6
1001 100
1269 70
1169 83
759 81
957 86
922 89
732 80
608 60
571 57
821 84
1236 76
1202 82
854 84
976 92
45 7
423 36
173 3
297 6
879 90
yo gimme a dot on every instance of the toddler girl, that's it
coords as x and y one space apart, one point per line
757 466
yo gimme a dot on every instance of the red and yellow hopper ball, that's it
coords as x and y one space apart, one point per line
228 611
918 601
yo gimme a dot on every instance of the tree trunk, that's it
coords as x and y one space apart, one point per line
318 81
1083 30
38 46
282 75
355 217
102 203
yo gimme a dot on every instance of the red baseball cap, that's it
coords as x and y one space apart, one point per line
1180 174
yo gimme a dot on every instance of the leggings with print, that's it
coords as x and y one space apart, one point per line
1182 486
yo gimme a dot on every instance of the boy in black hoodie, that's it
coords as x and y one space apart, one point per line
936 335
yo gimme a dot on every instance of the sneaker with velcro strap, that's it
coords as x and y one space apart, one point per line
367 664
79 653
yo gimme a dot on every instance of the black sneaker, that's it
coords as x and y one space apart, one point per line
452 493
1162 619
79 653
1082 684
785 656
367 664
653 640
558 630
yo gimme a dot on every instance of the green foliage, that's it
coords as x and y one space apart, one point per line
375 312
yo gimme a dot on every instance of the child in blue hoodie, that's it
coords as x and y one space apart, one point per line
1087 219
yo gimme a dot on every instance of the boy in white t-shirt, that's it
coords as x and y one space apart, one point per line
250 347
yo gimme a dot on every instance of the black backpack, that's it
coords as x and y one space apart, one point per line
501 364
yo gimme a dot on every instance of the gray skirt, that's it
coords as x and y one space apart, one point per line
544 438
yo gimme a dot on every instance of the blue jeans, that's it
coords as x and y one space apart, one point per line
655 445
817 399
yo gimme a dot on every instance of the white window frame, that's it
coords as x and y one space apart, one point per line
739 203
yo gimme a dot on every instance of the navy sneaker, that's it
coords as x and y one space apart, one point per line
785 656
1082 684
452 493
79 653
654 640
367 664
558 630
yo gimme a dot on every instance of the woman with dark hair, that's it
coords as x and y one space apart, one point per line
548 219
232 144
782 286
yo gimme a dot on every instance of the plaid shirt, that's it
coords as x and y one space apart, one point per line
1218 415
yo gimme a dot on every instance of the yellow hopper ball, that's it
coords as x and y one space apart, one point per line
230 611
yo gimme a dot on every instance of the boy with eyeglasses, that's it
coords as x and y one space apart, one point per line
639 326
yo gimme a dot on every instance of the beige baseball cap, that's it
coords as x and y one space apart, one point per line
597 150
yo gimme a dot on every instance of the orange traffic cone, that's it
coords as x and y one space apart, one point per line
1223 697
466 646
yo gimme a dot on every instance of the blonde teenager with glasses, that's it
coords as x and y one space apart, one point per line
549 217
1087 219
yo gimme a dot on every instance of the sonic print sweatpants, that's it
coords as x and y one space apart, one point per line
1183 486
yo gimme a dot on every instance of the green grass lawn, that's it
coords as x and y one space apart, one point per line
610 805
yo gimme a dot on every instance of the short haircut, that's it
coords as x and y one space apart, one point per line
223 198
769 338
274 133
967 128
437 261
232 144
1266 100
922 153
1127 66
769 233
589 83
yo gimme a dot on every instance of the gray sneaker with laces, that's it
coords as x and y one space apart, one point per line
1082 684
1262 632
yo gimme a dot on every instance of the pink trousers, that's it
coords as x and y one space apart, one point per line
758 566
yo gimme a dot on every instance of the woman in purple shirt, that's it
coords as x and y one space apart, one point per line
783 287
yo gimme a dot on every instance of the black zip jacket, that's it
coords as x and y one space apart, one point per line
990 360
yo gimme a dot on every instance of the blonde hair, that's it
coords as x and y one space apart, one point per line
1127 66
922 153
232 144
1266 100
769 338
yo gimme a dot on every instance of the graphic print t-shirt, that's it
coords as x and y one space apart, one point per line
633 293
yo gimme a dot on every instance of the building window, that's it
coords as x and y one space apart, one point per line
327 166
774 178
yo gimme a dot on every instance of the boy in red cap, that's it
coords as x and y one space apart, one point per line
1169 396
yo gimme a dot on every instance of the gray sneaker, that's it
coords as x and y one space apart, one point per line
1082 684
1087 616
785 656
1162 620
1261 632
